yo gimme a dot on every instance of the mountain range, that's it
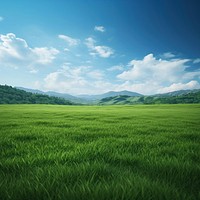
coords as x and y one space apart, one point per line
110 94
51 93
9 94
82 98
88 98
176 93
178 97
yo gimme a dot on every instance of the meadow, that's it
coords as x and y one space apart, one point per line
99 152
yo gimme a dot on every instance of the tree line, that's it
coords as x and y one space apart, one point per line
189 98
11 95
184 99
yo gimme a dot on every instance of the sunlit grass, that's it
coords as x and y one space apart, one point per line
100 152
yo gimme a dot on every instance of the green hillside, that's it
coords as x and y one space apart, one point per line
10 95
192 97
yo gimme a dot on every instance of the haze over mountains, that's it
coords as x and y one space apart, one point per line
83 97
11 95
52 93
110 94
105 95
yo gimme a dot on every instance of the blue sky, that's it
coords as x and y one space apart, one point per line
95 46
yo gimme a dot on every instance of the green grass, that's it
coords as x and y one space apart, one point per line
99 152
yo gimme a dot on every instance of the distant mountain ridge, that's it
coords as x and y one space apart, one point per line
110 94
86 98
50 93
181 97
120 97
176 93
11 95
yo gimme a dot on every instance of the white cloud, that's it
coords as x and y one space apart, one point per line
180 86
76 80
151 75
15 52
196 61
143 88
1 18
102 51
99 28
147 76
45 55
116 68
65 80
152 69
168 55
70 41
191 75
13 47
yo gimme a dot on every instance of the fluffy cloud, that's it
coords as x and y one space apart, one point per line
70 41
143 88
151 75
12 47
102 51
1 18
152 69
75 80
99 28
180 86
65 80
45 55
147 76
16 52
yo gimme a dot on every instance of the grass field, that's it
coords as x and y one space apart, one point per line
99 152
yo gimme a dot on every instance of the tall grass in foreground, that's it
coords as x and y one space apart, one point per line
110 152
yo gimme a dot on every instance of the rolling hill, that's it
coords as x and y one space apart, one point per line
55 94
85 99
176 93
19 95
10 95
192 96
110 94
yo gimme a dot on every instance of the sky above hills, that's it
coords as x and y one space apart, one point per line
94 46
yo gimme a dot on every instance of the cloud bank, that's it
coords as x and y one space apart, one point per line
151 75
76 80
15 52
